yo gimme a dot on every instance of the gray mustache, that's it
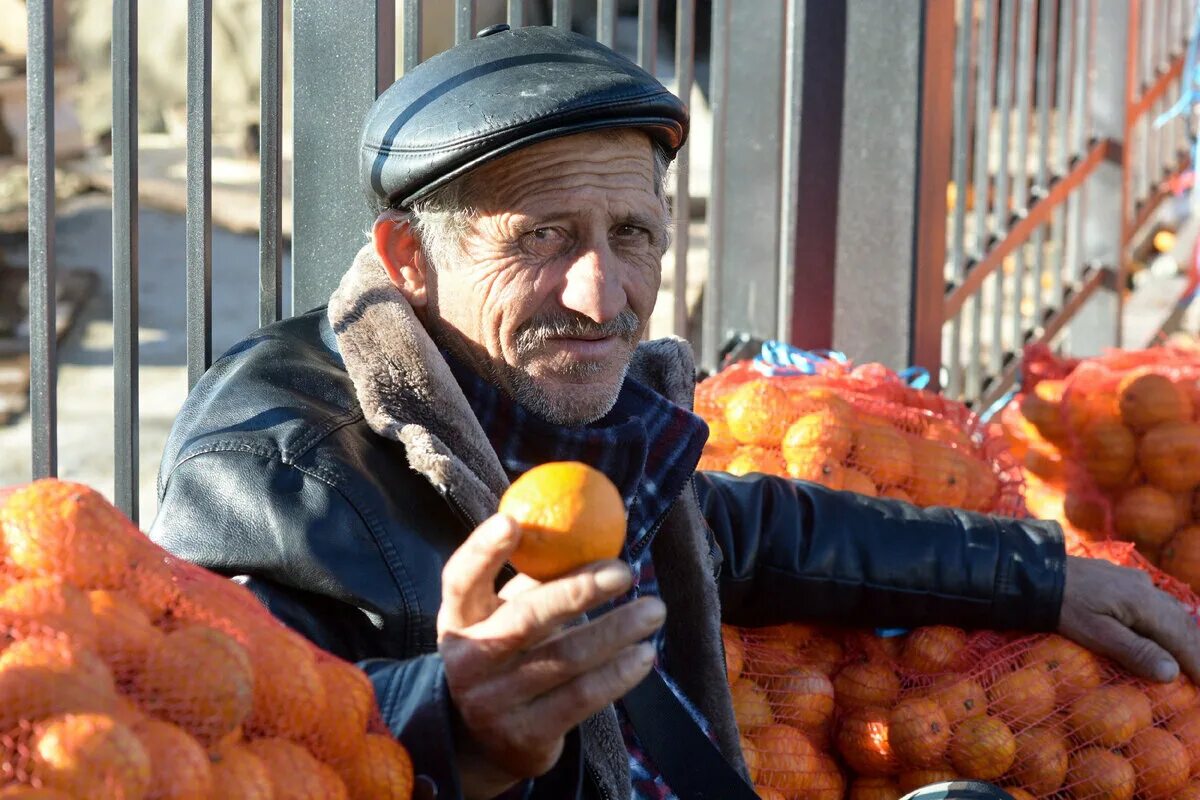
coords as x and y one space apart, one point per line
536 332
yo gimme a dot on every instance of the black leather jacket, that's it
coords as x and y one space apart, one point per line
273 472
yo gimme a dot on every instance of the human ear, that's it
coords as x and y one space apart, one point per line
401 256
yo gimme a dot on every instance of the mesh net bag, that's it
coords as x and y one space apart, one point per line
827 713
128 674
859 429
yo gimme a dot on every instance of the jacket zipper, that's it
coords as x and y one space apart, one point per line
634 552
595 776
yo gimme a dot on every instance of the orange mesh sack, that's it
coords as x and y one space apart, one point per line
858 429
849 714
128 674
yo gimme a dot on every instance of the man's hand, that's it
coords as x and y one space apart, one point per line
521 679
1118 612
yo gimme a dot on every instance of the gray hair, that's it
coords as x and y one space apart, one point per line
442 220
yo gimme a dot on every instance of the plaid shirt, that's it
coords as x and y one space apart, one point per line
649 448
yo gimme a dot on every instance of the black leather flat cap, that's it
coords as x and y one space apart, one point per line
500 92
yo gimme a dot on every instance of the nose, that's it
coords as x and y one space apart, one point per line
592 285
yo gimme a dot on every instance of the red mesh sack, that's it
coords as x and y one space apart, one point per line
128 674
835 713
859 429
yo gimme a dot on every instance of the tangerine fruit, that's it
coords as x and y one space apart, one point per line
822 652
933 649
381 770
751 757
1084 511
944 477
30 793
767 793
960 697
735 655
824 433
750 706
92 756
864 741
1180 556
750 459
1018 793
982 484
1186 727
68 530
1096 772
1073 669
983 748
818 469
787 759
238 773
1146 516
885 454
1160 761
859 483
804 697
769 655
124 633
758 412
179 768
1169 699
1169 454
201 680
826 782
712 461
1110 715
1189 792
570 515
1147 399
896 493
1108 452
295 773
43 676
919 732
720 439
866 684
1025 696
284 668
349 699
874 789
1041 762
38 605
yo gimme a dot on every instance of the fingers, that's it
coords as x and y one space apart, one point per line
1141 656
469 577
536 614
574 652
517 584
573 702
1163 619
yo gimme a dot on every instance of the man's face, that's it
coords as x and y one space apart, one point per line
559 273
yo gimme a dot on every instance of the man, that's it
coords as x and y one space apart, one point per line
348 462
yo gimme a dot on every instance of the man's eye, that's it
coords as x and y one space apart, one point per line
543 238
632 231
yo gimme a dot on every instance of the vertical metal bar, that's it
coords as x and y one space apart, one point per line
270 161
562 14
710 331
962 138
125 254
199 189
606 23
685 40
516 13
43 322
411 55
1062 104
648 35
1021 180
1079 105
1149 66
1047 41
983 131
1163 38
793 75
1004 91
464 20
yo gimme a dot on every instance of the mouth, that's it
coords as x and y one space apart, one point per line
586 347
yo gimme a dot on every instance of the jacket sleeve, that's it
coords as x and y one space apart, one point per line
794 550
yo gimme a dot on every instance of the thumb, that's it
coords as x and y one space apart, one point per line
1141 656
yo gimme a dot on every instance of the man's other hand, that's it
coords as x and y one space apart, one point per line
1119 612
520 678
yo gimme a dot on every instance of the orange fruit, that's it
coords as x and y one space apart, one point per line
1160 761
750 706
884 454
758 412
201 680
124 633
751 756
960 697
1025 696
1146 400
712 461
295 773
720 439
1099 773
826 782
825 433
943 478
30 793
1109 716
68 530
787 759
983 748
874 789
1189 792
381 770
1169 454
151 580
933 649
910 780
1180 556
859 483
1108 452
818 469
803 697
919 732
570 515
768 655
1186 727
867 683
751 459
92 756
864 741
1169 699
349 699
821 652
1019 794
42 676
1045 461
982 483
818 398
284 669
39 605
1043 408
767 793
1084 511
179 768
1146 516
1073 669
238 773
735 654
896 493
1041 762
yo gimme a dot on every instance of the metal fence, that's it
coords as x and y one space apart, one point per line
833 134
